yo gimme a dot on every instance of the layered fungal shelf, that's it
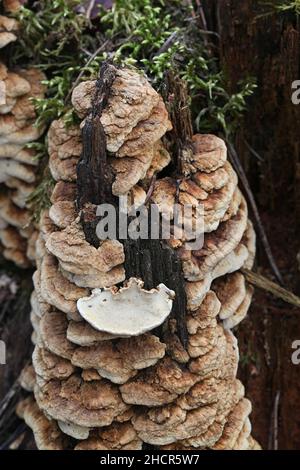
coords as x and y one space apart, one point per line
118 363
17 161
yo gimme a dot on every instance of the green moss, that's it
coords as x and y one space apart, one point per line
159 36
153 35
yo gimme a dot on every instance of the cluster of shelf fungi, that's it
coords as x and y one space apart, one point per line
132 338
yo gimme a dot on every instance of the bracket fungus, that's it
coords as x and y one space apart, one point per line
129 311
118 366
17 163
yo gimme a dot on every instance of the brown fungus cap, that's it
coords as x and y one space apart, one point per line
131 101
63 213
49 365
231 291
121 359
57 290
53 329
217 245
12 214
241 311
14 169
129 171
115 437
146 133
22 136
63 191
170 423
8 28
24 108
234 425
27 378
83 334
77 256
73 430
88 404
209 154
47 434
64 147
158 385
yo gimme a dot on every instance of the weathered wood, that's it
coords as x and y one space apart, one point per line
94 174
154 262
180 138
262 282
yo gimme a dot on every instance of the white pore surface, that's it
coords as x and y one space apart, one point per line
129 311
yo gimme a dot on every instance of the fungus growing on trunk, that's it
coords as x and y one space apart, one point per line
151 365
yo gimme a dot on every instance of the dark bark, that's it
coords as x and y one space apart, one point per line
180 137
268 49
94 174
155 263
15 331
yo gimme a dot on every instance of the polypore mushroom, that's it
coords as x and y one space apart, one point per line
104 372
241 311
18 165
231 291
115 437
73 430
47 434
27 378
57 290
53 330
8 28
161 426
129 311
78 257
158 385
83 334
64 150
87 404
234 425
49 365
120 360
209 153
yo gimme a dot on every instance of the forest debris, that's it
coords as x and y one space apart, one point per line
264 283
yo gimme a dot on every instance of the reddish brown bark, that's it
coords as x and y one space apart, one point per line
268 48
